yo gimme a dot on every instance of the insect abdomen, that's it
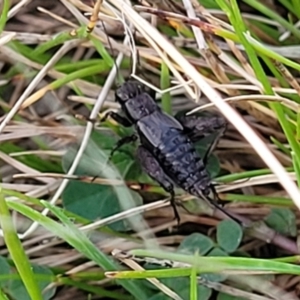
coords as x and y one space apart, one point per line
182 163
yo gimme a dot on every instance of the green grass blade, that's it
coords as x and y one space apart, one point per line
193 285
165 84
92 70
237 21
246 174
296 8
17 252
298 126
3 16
159 273
296 167
273 16
3 296
215 264
280 146
57 40
106 56
76 239
280 201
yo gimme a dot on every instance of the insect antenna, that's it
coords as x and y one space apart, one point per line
136 63
119 76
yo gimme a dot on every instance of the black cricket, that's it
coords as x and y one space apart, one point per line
166 152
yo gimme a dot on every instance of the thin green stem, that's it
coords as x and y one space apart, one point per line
276 201
247 174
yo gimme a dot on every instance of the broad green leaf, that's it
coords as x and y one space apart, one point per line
229 235
105 139
3 296
217 252
282 220
213 165
93 202
135 173
181 286
94 161
196 243
160 296
222 296
203 293
4 270
215 277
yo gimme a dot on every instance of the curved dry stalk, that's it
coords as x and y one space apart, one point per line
249 87
13 11
98 180
56 17
22 167
27 131
6 38
125 215
28 38
23 188
285 101
38 152
257 180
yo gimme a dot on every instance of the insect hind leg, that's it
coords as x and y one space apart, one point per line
197 127
152 167
216 204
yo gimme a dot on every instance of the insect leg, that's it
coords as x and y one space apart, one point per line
118 118
152 167
216 204
123 141
126 123
212 146
198 127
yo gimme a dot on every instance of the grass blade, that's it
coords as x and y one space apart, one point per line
78 240
17 252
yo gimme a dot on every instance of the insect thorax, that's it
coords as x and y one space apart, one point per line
140 106
131 89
